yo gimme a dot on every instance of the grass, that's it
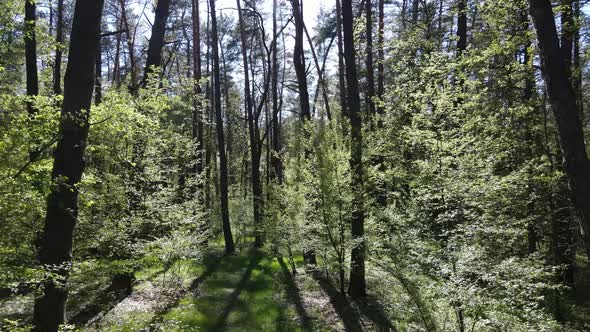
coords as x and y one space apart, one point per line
243 292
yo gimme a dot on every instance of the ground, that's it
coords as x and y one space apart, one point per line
247 291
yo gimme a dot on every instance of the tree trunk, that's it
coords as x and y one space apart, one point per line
55 245
154 52
381 58
223 190
276 161
31 53
369 59
341 73
255 148
309 255
299 63
357 286
130 46
58 48
563 104
461 26
197 113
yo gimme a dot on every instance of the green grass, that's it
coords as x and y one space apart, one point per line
243 292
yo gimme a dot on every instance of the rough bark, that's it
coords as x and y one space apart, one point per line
223 181
381 58
563 105
341 69
299 63
370 104
197 113
55 245
156 43
357 286
31 53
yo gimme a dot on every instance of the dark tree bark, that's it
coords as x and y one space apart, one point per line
197 113
255 147
415 9
31 53
563 105
461 26
341 73
299 63
381 58
130 46
59 48
154 52
223 190
369 59
309 255
320 70
55 245
276 161
357 286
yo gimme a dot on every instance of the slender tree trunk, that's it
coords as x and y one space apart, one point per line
299 62
276 161
58 48
197 113
255 148
31 53
154 52
341 73
577 62
415 8
370 104
381 58
357 286
130 46
229 242
563 104
461 26
309 255
116 65
55 245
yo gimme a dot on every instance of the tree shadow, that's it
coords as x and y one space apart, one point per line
373 310
211 261
295 297
349 315
232 301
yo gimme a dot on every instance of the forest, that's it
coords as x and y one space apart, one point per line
294 165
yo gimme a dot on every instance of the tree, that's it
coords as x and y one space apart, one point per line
304 109
197 114
31 52
276 162
357 286
565 111
223 181
255 146
369 59
58 48
55 247
154 52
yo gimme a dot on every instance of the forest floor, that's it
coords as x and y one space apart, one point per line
247 291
